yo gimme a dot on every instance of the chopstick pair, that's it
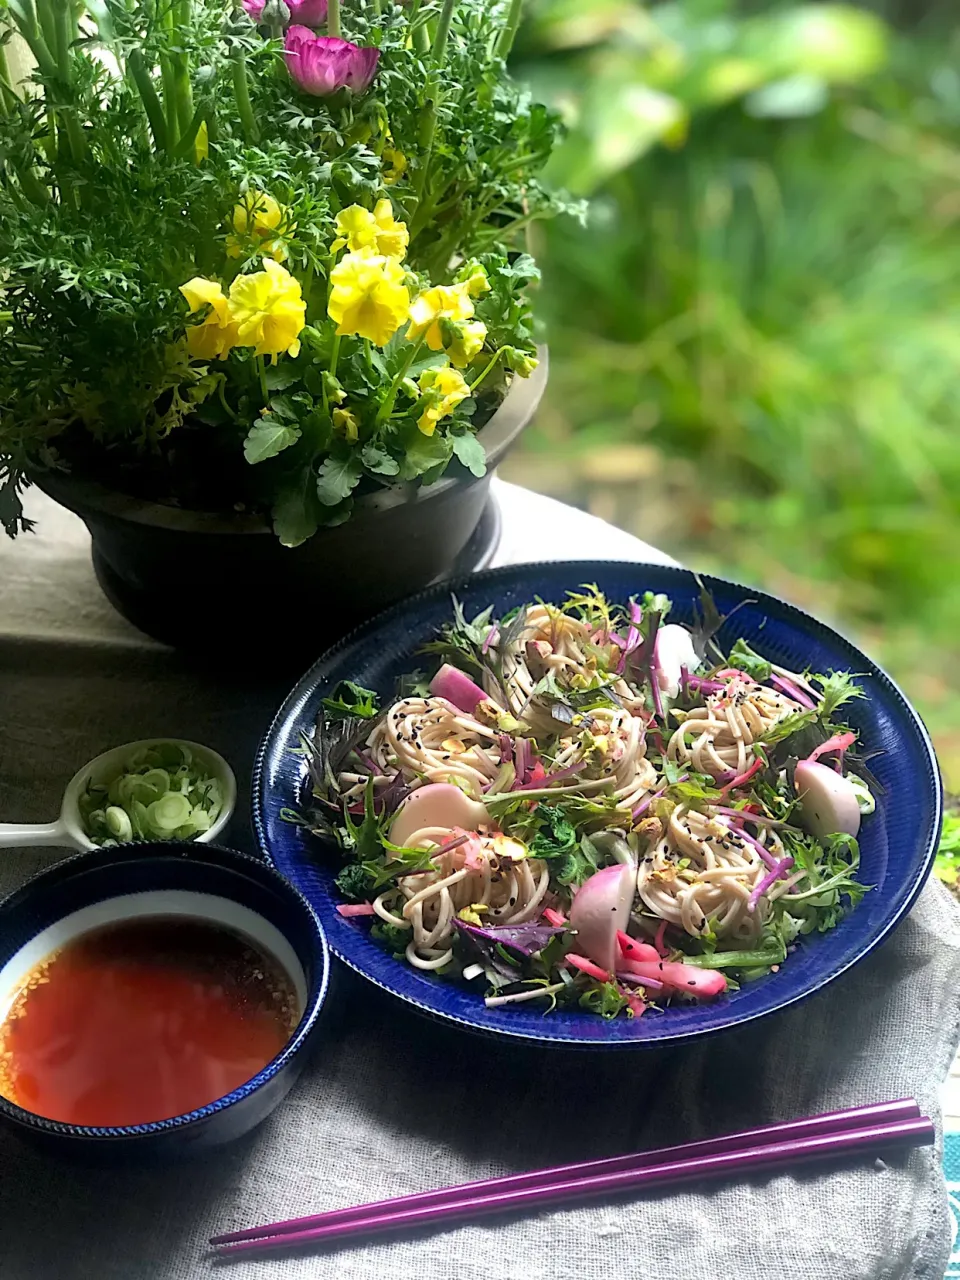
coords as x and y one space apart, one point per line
778 1146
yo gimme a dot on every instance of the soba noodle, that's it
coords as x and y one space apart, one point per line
581 750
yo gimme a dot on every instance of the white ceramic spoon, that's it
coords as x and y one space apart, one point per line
67 831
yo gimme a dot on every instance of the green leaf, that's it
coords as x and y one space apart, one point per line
413 684
425 453
557 842
603 998
786 727
794 96
354 883
330 517
471 453
281 376
290 408
746 659
392 936
339 476
621 118
837 42
295 510
268 437
364 837
948 855
838 687
349 699
376 459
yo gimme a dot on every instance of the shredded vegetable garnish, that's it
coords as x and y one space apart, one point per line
162 794
590 805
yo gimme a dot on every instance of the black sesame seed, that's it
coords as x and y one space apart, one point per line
691 984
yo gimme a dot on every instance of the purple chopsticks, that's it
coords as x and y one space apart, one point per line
779 1146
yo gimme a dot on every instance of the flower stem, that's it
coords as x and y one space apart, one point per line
168 77
223 399
333 18
443 33
148 96
262 372
241 92
26 19
334 357
509 32
488 369
47 24
391 397
181 68
8 99
432 95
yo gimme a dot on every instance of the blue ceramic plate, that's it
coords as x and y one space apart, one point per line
898 842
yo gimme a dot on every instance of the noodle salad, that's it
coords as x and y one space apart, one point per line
588 805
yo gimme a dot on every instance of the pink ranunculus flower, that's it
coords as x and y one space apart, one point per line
254 8
323 64
308 13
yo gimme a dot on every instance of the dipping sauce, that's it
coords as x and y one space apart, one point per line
142 1020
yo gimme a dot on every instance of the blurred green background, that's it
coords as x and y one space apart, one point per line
756 334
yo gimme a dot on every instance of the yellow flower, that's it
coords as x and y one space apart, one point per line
473 275
356 229
216 336
442 302
470 337
257 218
523 364
443 390
379 232
395 163
392 236
368 297
268 310
345 423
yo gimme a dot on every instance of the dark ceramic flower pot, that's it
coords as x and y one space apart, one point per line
397 542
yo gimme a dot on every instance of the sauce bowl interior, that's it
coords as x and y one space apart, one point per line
182 880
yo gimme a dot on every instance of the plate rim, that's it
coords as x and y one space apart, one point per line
307 685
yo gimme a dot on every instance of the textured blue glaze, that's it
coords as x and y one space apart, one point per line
898 842
103 874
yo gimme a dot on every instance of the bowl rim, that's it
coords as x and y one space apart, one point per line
184 851
306 686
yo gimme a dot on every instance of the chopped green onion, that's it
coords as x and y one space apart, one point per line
118 823
157 780
200 819
168 813
161 794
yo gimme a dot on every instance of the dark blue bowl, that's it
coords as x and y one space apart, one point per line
199 880
898 842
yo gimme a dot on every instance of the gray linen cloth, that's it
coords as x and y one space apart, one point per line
393 1103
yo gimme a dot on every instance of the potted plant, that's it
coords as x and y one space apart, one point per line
264 318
